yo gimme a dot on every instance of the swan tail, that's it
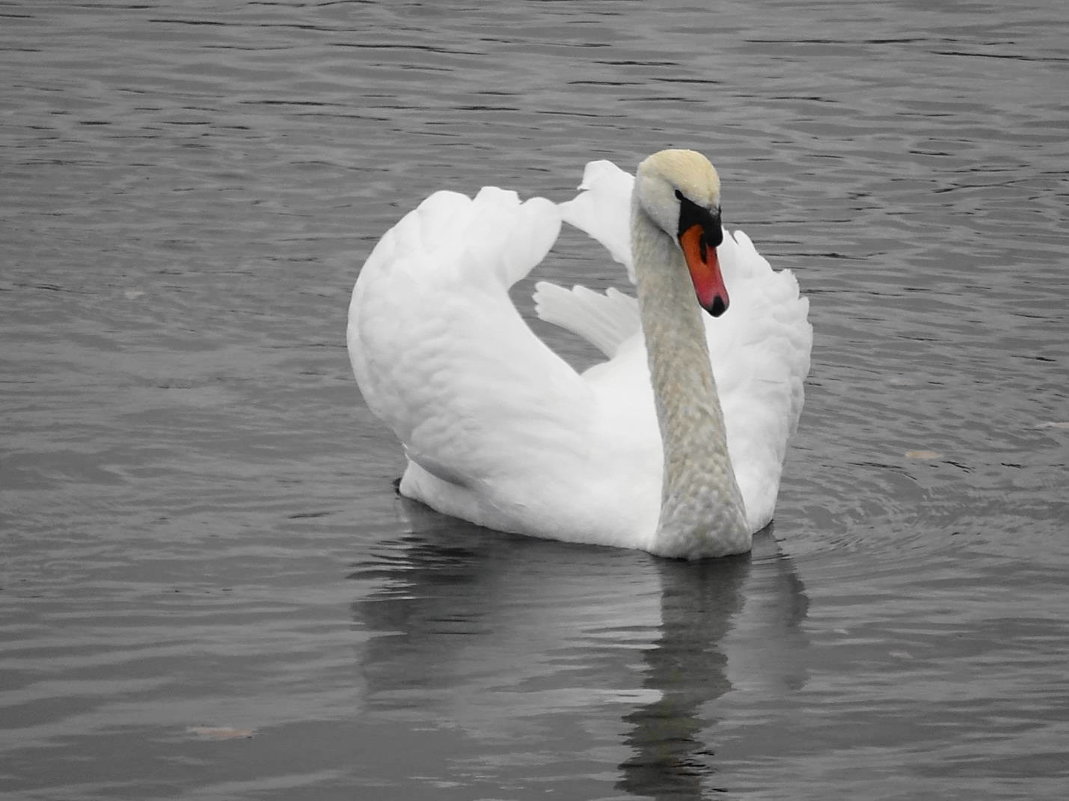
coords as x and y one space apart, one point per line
605 320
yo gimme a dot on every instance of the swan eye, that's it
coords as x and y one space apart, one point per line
691 214
679 195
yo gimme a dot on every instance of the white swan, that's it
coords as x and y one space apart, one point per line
500 431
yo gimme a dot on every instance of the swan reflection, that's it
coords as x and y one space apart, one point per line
516 657
688 668
723 622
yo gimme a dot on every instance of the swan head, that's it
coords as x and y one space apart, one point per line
679 190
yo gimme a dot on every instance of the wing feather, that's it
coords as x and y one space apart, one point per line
606 320
440 352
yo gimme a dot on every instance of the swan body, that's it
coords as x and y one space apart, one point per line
674 444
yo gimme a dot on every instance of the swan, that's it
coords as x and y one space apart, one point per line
674 444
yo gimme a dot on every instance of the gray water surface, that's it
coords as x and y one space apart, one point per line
208 588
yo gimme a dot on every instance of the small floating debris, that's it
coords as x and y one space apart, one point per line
220 732
923 455
1062 424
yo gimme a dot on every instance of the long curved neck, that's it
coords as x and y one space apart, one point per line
702 511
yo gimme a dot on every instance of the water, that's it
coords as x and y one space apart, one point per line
209 589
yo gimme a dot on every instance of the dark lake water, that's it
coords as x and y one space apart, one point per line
208 589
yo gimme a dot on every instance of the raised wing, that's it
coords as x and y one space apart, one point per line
440 352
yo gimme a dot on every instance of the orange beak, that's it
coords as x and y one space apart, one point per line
704 270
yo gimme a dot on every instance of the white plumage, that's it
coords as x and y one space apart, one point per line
501 431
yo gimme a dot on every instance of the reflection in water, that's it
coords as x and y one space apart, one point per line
687 667
701 605
457 605
495 641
